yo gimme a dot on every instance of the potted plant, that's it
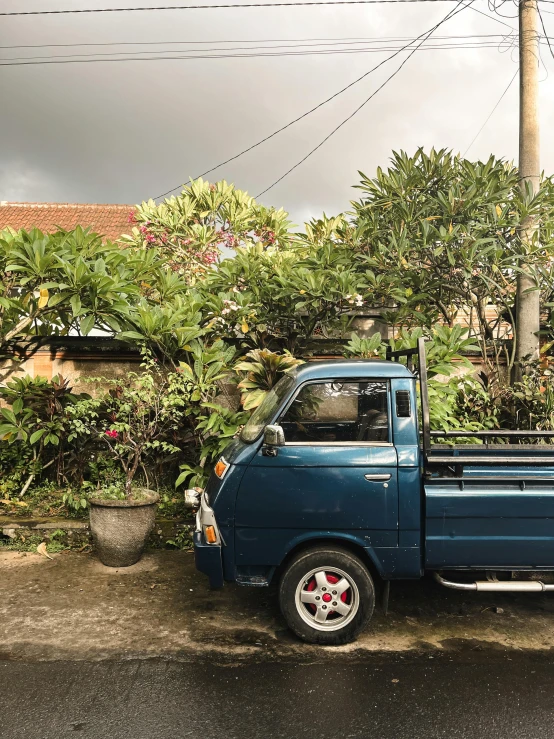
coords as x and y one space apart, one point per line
135 417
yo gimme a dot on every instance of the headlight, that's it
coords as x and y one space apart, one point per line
192 498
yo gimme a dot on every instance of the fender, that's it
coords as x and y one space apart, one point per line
350 540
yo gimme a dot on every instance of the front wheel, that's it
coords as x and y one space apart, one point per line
327 595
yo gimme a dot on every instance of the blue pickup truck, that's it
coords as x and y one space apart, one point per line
335 489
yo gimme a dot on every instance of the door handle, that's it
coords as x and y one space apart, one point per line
377 478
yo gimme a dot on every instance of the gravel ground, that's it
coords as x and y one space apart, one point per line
71 607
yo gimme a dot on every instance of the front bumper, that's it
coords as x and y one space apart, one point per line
207 557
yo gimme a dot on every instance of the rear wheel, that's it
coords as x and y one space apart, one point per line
327 595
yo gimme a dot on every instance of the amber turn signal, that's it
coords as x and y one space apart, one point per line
221 468
209 533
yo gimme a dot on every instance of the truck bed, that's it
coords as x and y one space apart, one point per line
496 513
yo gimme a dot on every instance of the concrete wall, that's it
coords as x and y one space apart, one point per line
74 358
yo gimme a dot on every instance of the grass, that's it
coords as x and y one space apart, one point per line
56 541
46 501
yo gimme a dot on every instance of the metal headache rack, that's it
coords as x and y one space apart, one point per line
514 454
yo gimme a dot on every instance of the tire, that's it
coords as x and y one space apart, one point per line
306 588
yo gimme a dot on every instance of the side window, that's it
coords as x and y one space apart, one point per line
338 411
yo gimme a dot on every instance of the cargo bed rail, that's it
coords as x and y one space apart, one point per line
531 457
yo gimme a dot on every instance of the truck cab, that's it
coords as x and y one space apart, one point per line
332 487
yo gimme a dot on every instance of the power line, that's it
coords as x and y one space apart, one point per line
492 17
544 29
290 123
495 8
279 130
447 17
295 120
214 7
474 139
91 58
299 41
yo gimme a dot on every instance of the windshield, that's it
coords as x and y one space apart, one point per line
266 410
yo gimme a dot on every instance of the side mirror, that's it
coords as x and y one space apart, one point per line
274 436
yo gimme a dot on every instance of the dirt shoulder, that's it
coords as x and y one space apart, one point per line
72 607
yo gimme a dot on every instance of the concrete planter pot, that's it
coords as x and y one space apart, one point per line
120 528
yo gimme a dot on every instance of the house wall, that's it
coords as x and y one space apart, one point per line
75 359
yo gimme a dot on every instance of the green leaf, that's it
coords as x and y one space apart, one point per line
87 324
131 335
7 429
182 477
37 435
75 303
9 415
112 323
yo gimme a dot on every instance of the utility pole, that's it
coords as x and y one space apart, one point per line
527 304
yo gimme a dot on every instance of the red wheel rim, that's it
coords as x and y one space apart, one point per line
333 580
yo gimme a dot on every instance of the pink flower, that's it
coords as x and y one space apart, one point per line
131 218
112 434
209 257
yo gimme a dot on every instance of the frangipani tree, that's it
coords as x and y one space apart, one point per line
279 298
192 229
443 231
61 283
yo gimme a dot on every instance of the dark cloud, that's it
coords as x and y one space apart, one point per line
125 132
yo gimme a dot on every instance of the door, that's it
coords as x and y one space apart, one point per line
337 473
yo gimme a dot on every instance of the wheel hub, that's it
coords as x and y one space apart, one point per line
327 599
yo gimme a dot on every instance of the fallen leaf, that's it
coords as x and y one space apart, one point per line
41 549
13 502
395 680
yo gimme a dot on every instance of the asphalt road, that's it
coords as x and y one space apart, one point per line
471 695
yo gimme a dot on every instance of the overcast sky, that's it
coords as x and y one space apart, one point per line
124 132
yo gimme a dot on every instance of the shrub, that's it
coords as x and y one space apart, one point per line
263 370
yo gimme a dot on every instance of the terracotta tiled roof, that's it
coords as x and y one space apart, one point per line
112 221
